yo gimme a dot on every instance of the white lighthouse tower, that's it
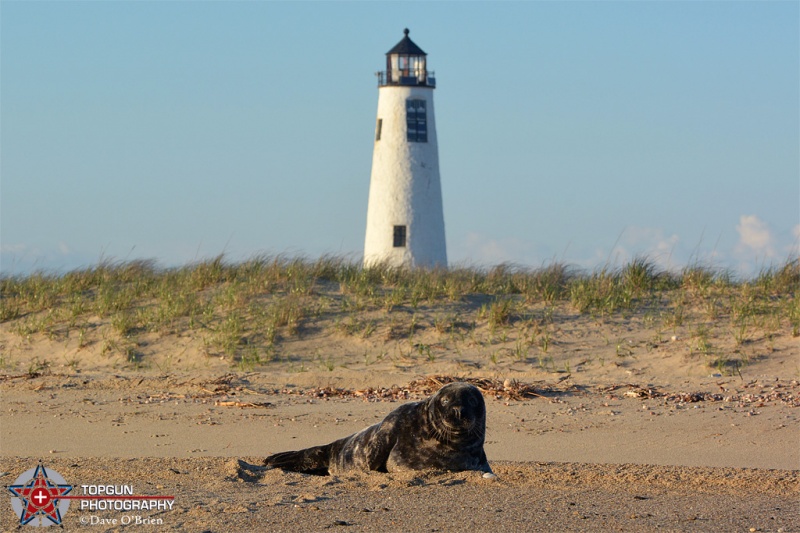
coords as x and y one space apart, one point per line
405 222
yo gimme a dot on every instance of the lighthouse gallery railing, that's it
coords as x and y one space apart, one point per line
409 77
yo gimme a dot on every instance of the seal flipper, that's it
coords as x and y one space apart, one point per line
380 442
484 467
366 450
314 460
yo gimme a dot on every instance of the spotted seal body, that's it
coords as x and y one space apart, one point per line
443 432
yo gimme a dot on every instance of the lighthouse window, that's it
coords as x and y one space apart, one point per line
399 236
416 121
378 129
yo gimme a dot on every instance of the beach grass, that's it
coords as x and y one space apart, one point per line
245 311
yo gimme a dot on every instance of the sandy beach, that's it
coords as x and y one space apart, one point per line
604 423
575 458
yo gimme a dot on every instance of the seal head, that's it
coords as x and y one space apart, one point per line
457 412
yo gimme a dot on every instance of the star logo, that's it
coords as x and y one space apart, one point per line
38 495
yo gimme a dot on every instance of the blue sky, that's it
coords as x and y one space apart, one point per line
582 132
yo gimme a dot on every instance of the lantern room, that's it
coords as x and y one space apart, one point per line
406 65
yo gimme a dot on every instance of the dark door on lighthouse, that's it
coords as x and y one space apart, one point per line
399 236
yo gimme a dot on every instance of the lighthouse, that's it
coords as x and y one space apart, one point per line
405 221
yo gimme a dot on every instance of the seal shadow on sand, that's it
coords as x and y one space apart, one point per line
247 472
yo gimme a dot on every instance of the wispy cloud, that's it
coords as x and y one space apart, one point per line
653 243
755 238
24 258
481 249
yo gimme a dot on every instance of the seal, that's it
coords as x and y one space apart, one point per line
443 432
